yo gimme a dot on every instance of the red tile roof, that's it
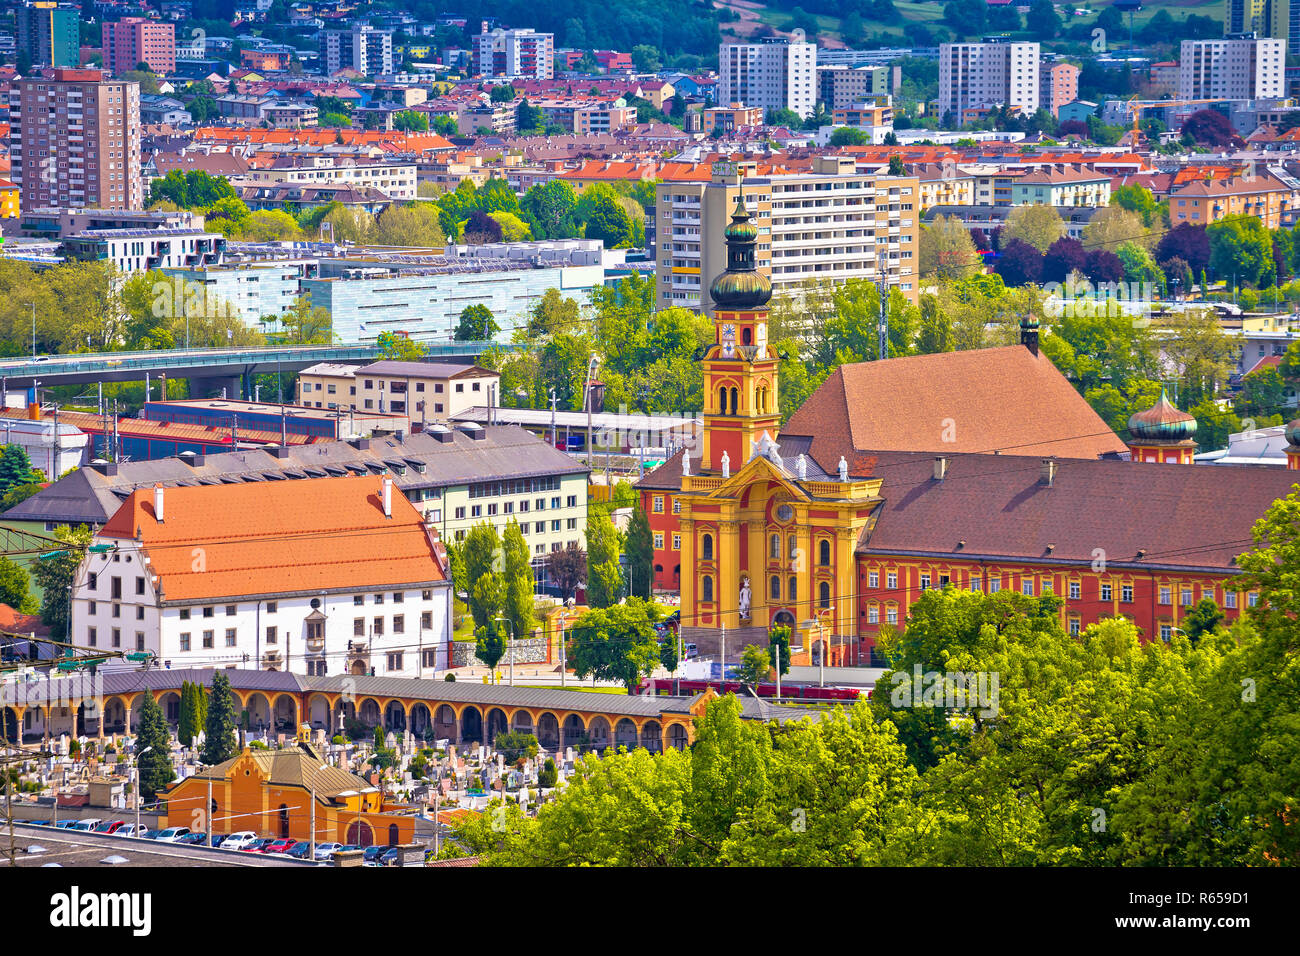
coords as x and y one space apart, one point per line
278 537
1005 399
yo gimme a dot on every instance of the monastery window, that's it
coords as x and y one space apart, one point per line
677 507
873 614
794 589
891 614
1207 593
1165 595
1126 593
1252 599
944 580
1166 632
891 580
1185 597
1107 590
1074 626
925 582
1229 598
185 641
976 583
735 407
707 589
659 504
677 541
659 540
995 585
1027 586
873 579
824 595
706 548
824 554
722 400
1074 591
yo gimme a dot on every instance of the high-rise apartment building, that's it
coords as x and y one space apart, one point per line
134 40
1058 85
1275 19
363 48
832 224
48 34
996 72
775 73
74 140
842 86
1235 68
514 53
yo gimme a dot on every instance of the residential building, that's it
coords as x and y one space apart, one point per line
1058 85
278 583
9 202
135 250
1237 68
773 74
134 40
423 391
996 72
514 53
840 86
255 290
164 110
943 184
52 447
1279 19
74 140
832 223
362 49
1061 184
867 115
396 180
722 119
1268 196
49 34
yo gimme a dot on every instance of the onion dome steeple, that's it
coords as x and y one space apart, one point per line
741 287
1162 433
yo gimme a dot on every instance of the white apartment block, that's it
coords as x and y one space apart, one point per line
363 48
832 224
992 73
395 180
1234 68
773 74
515 53
424 391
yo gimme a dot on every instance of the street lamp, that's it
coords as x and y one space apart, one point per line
510 646
137 788
312 789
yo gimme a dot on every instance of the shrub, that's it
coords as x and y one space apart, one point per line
339 739
450 678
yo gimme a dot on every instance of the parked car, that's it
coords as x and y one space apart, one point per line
325 851
390 857
219 838
371 854
194 839
130 830
299 850
149 834
240 840
110 826
65 825
279 846
86 825
172 834
257 845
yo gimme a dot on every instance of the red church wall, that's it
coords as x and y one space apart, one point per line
1158 604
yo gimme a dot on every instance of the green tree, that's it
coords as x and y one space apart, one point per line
411 224
616 643
410 121
399 347
155 769
1139 200
513 228
850 136
219 724
604 578
502 93
490 642
1040 226
640 554
477 324
55 576
549 210
516 744
896 167
15 467
779 648
15 587
481 551
1205 617
1241 249
755 665
519 581
188 726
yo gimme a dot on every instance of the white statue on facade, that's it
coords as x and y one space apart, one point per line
686 462
726 465
801 467
744 598
844 469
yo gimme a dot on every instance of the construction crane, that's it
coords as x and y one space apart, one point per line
1136 106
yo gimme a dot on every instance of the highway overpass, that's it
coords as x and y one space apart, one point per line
229 367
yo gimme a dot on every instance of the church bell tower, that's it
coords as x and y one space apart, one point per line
740 368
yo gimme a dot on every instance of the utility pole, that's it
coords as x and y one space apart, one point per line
554 434
883 286
208 812
33 331
778 670
723 655
563 663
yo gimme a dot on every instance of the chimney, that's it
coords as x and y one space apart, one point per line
34 411
1048 473
388 497
940 468
158 503
280 451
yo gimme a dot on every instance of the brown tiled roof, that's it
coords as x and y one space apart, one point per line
1184 516
1001 399
667 477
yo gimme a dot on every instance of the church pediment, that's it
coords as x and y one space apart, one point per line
755 470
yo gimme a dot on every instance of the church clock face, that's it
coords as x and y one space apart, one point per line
728 340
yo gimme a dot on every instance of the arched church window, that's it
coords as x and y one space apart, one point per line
707 590
774 547
706 547
824 554
824 595
735 406
775 585
722 400
794 589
